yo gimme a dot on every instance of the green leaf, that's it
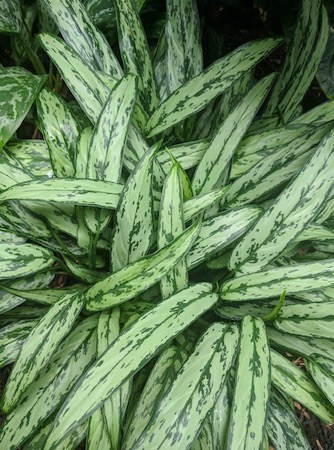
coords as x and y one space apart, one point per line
302 61
271 283
293 210
129 352
284 429
136 58
213 168
199 203
82 35
325 72
12 337
89 87
32 155
17 94
102 194
140 275
219 231
60 130
300 345
159 380
215 80
194 392
294 382
54 382
171 225
11 19
252 387
183 38
187 154
134 217
18 260
322 371
40 346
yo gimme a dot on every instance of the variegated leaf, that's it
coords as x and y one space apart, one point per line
129 352
183 38
82 35
289 215
216 79
194 391
288 378
53 383
12 337
40 345
252 387
134 218
140 275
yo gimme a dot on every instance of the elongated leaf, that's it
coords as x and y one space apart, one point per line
12 337
129 352
140 275
40 345
134 218
188 154
252 386
322 328
271 283
300 345
136 57
213 168
322 371
11 20
17 260
43 296
32 155
194 391
284 430
83 192
106 149
289 215
199 203
171 225
81 34
160 379
183 38
90 88
199 91
219 231
301 64
294 382
17 94
54 382
60 131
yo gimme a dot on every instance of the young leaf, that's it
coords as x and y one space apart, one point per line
291 380
213 168
252 387
289 215
215 80
140 275
129 352
171 225
134 218
183 39
194 391
40 346
82 35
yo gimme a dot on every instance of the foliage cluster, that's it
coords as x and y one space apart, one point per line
166 244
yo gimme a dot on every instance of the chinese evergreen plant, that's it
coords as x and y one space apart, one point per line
166 245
